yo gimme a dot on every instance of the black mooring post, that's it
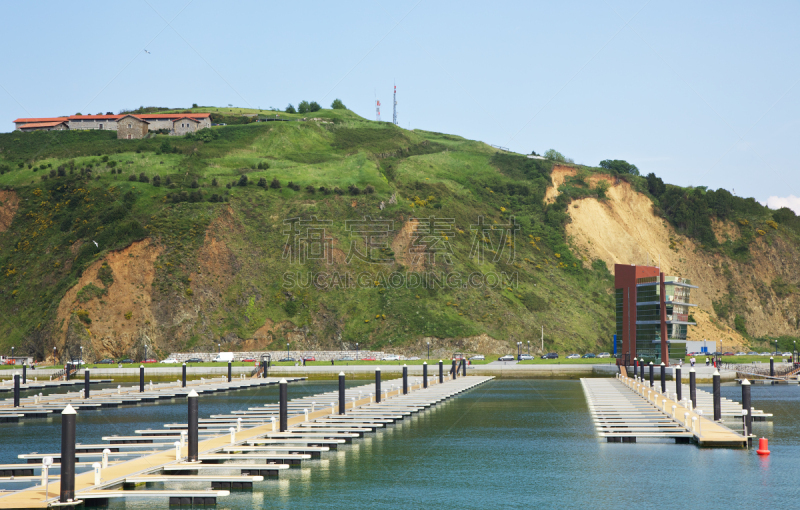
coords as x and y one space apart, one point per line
424 374
453 370
651 375
405 380
717 402
641 370
16 390
341 393
771 367
693 388
678 385
86 384
229 371
284 405
378 385
635 367
24 373
68 419
183 376
141 378
464 366
663 378
193 417
441 371
747 406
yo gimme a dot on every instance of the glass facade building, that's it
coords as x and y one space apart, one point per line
652 313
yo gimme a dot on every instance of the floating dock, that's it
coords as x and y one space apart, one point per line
46 405
626 410
234 451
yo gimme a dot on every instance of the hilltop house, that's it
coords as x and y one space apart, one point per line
155 122
130 127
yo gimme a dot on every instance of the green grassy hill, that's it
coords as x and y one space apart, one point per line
182 243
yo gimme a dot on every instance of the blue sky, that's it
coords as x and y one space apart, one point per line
700 94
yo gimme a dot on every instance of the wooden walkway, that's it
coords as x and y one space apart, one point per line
257 451
47 405
626 411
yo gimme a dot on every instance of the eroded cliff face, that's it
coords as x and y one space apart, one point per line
624 230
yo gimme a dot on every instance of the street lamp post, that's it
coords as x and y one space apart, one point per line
54 355
12 356
794 351
356 351
529 347
429 351
287 350
80 361
776 347
219 348
519 344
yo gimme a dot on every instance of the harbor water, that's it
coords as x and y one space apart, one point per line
505 444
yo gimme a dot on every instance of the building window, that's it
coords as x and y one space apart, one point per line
129 126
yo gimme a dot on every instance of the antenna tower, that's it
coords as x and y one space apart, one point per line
377 110
394 107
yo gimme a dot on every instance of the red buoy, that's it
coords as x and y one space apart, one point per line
763 446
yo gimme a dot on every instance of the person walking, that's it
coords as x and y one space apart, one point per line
692 360
707 361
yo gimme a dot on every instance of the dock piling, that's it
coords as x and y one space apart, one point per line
378 385
86 384
106 451
424 374
141 378
183 376
16 390
663 378
177 451
441 371
717 401
284 404
747 406
771 367
341 393
193 418
229 371
693 387
651 375
96 467
678 383
68 419
405 380
24 373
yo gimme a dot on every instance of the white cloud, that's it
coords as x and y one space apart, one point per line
792 202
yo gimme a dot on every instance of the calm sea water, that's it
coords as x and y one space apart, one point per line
505 444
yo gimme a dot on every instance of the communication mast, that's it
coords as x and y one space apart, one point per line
394 108
377 110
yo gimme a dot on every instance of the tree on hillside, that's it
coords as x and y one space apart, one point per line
302 107
337 104
314 106
655 185
290 109
619 166
555 156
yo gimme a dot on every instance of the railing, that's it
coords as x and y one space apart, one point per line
757 370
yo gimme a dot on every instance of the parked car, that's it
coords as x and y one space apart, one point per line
507 357
413 358
604 355
741 354
728 354
589 355
310 358
126 360
249 360
525 357
150 360
574 356
287 360
786 354
390 357
478 357
346 358
107 361
194 360
372 358
169 360
550 355
765 354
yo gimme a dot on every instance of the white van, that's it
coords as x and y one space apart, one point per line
224 357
